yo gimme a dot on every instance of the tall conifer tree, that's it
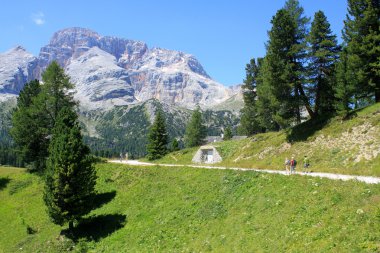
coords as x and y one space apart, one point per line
345 85
323 54
195 130
38 110
281 76
70 175
298 52
249 124
157 145
26 130
362 37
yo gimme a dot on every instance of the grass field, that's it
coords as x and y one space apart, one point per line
337 146
156 209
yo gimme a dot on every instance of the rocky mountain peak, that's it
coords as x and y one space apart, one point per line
71 43
17 67
19 49
175 60
111 71
74 37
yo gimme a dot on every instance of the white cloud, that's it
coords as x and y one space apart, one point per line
38 18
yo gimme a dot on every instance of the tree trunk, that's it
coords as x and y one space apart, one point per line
305 101
71 225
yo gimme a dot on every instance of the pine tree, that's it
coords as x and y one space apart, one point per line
195 130
174 145
298 53
249 124
36 113
323 54
281 74
70 176
227 134
266 102
157 138
345 85
27 130
55 93
362 37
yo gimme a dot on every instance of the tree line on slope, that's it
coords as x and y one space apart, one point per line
158 142
306 74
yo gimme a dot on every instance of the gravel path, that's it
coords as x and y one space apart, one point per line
365 179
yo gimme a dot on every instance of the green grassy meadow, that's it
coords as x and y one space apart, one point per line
159 209
349 146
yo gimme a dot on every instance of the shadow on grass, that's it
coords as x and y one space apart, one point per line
96 227
101 199
4 182
306 129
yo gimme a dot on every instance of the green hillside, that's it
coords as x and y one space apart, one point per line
156 209
349 146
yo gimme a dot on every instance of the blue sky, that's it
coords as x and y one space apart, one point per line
223 35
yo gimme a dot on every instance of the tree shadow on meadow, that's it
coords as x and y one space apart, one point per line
101 199
4 182
96 227
306 129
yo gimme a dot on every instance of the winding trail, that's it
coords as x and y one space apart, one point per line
365 179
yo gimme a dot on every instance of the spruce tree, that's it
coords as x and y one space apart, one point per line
362 37
36 113
28 127
266 102
298 53
70 175
323 54
227 134
281 76
345 85
195 130
174 145
249 124
157 138
55 93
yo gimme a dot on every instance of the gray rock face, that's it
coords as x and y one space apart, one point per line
71 43
16 68
109 71
100 83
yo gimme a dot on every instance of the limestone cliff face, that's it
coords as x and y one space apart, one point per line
110 71
16 68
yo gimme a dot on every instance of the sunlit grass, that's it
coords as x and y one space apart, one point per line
193 210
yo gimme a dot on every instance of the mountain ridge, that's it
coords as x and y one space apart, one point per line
135 74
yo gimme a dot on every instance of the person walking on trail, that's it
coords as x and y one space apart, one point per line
293 164
306 164
287 164
121 156
126 156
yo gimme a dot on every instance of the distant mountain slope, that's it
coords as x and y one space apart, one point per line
125 128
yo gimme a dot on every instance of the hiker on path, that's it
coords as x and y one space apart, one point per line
287 164
126 156
121 156
293 164
306 164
